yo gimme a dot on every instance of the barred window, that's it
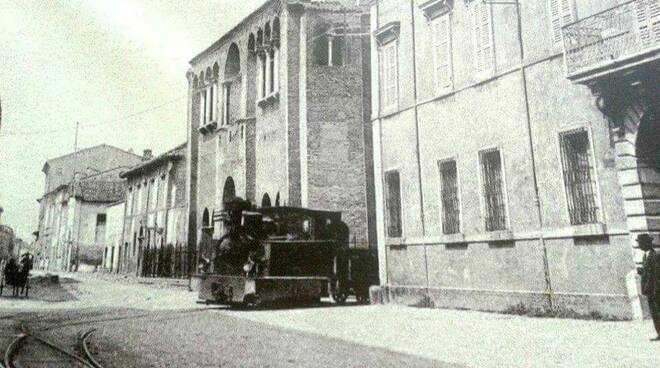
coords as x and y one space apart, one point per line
493 189
579 177
449 197
393 204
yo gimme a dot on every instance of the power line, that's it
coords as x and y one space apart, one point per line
125 117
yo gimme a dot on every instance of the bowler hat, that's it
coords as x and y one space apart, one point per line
643 237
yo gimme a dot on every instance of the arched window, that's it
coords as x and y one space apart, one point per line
265 201
252 47
203 100
229 191
213 93
275 35
267 32
232 69
233 64
277 199
206 218
329 50
260 38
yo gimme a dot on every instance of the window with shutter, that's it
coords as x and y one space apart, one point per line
388 64
441 29
648 21
483 37
561 14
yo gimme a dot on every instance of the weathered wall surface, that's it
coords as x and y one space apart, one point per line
587 265
335 142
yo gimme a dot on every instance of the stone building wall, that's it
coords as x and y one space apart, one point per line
588 266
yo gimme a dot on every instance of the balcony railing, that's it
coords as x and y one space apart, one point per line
613 38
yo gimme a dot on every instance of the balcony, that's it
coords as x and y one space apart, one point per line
613 40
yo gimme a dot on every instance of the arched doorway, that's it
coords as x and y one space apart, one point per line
229 191
265 200
206 218
647 150
205 240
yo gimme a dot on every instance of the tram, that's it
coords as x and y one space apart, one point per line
284 255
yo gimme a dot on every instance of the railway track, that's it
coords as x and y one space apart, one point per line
28 349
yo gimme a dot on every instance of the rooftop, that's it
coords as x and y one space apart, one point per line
174 154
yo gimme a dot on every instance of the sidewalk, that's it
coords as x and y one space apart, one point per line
473 339
477 339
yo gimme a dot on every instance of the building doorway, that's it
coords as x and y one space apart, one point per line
647 150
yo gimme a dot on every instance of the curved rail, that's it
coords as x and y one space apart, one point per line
88 354
12 348
63 351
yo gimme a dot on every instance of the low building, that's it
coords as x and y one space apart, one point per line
278 108
155 222
500 184
77 188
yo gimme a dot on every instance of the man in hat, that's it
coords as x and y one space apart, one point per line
651 279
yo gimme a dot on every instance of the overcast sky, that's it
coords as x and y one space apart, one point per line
116 66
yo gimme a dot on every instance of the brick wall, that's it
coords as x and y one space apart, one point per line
335 127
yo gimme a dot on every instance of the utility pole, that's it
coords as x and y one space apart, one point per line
73 195
537 202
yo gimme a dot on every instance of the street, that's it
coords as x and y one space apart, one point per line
147 326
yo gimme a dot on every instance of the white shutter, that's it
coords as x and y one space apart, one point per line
561 14
389 67
483 48
442 52
648 21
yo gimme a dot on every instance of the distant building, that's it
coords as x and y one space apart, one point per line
7 237
72 216
278 114
500 184
155 221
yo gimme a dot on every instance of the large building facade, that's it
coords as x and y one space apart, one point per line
500 184
277 114
155 219
72 212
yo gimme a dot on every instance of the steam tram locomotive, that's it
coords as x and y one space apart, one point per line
278 255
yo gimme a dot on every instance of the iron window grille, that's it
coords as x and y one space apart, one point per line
393 204
449 198
578 177
495 205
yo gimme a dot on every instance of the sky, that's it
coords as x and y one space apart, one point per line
115 66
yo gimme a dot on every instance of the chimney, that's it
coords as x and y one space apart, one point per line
147 155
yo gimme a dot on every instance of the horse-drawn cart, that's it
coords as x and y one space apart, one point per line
17 276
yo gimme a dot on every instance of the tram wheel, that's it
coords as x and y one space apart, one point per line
339 297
